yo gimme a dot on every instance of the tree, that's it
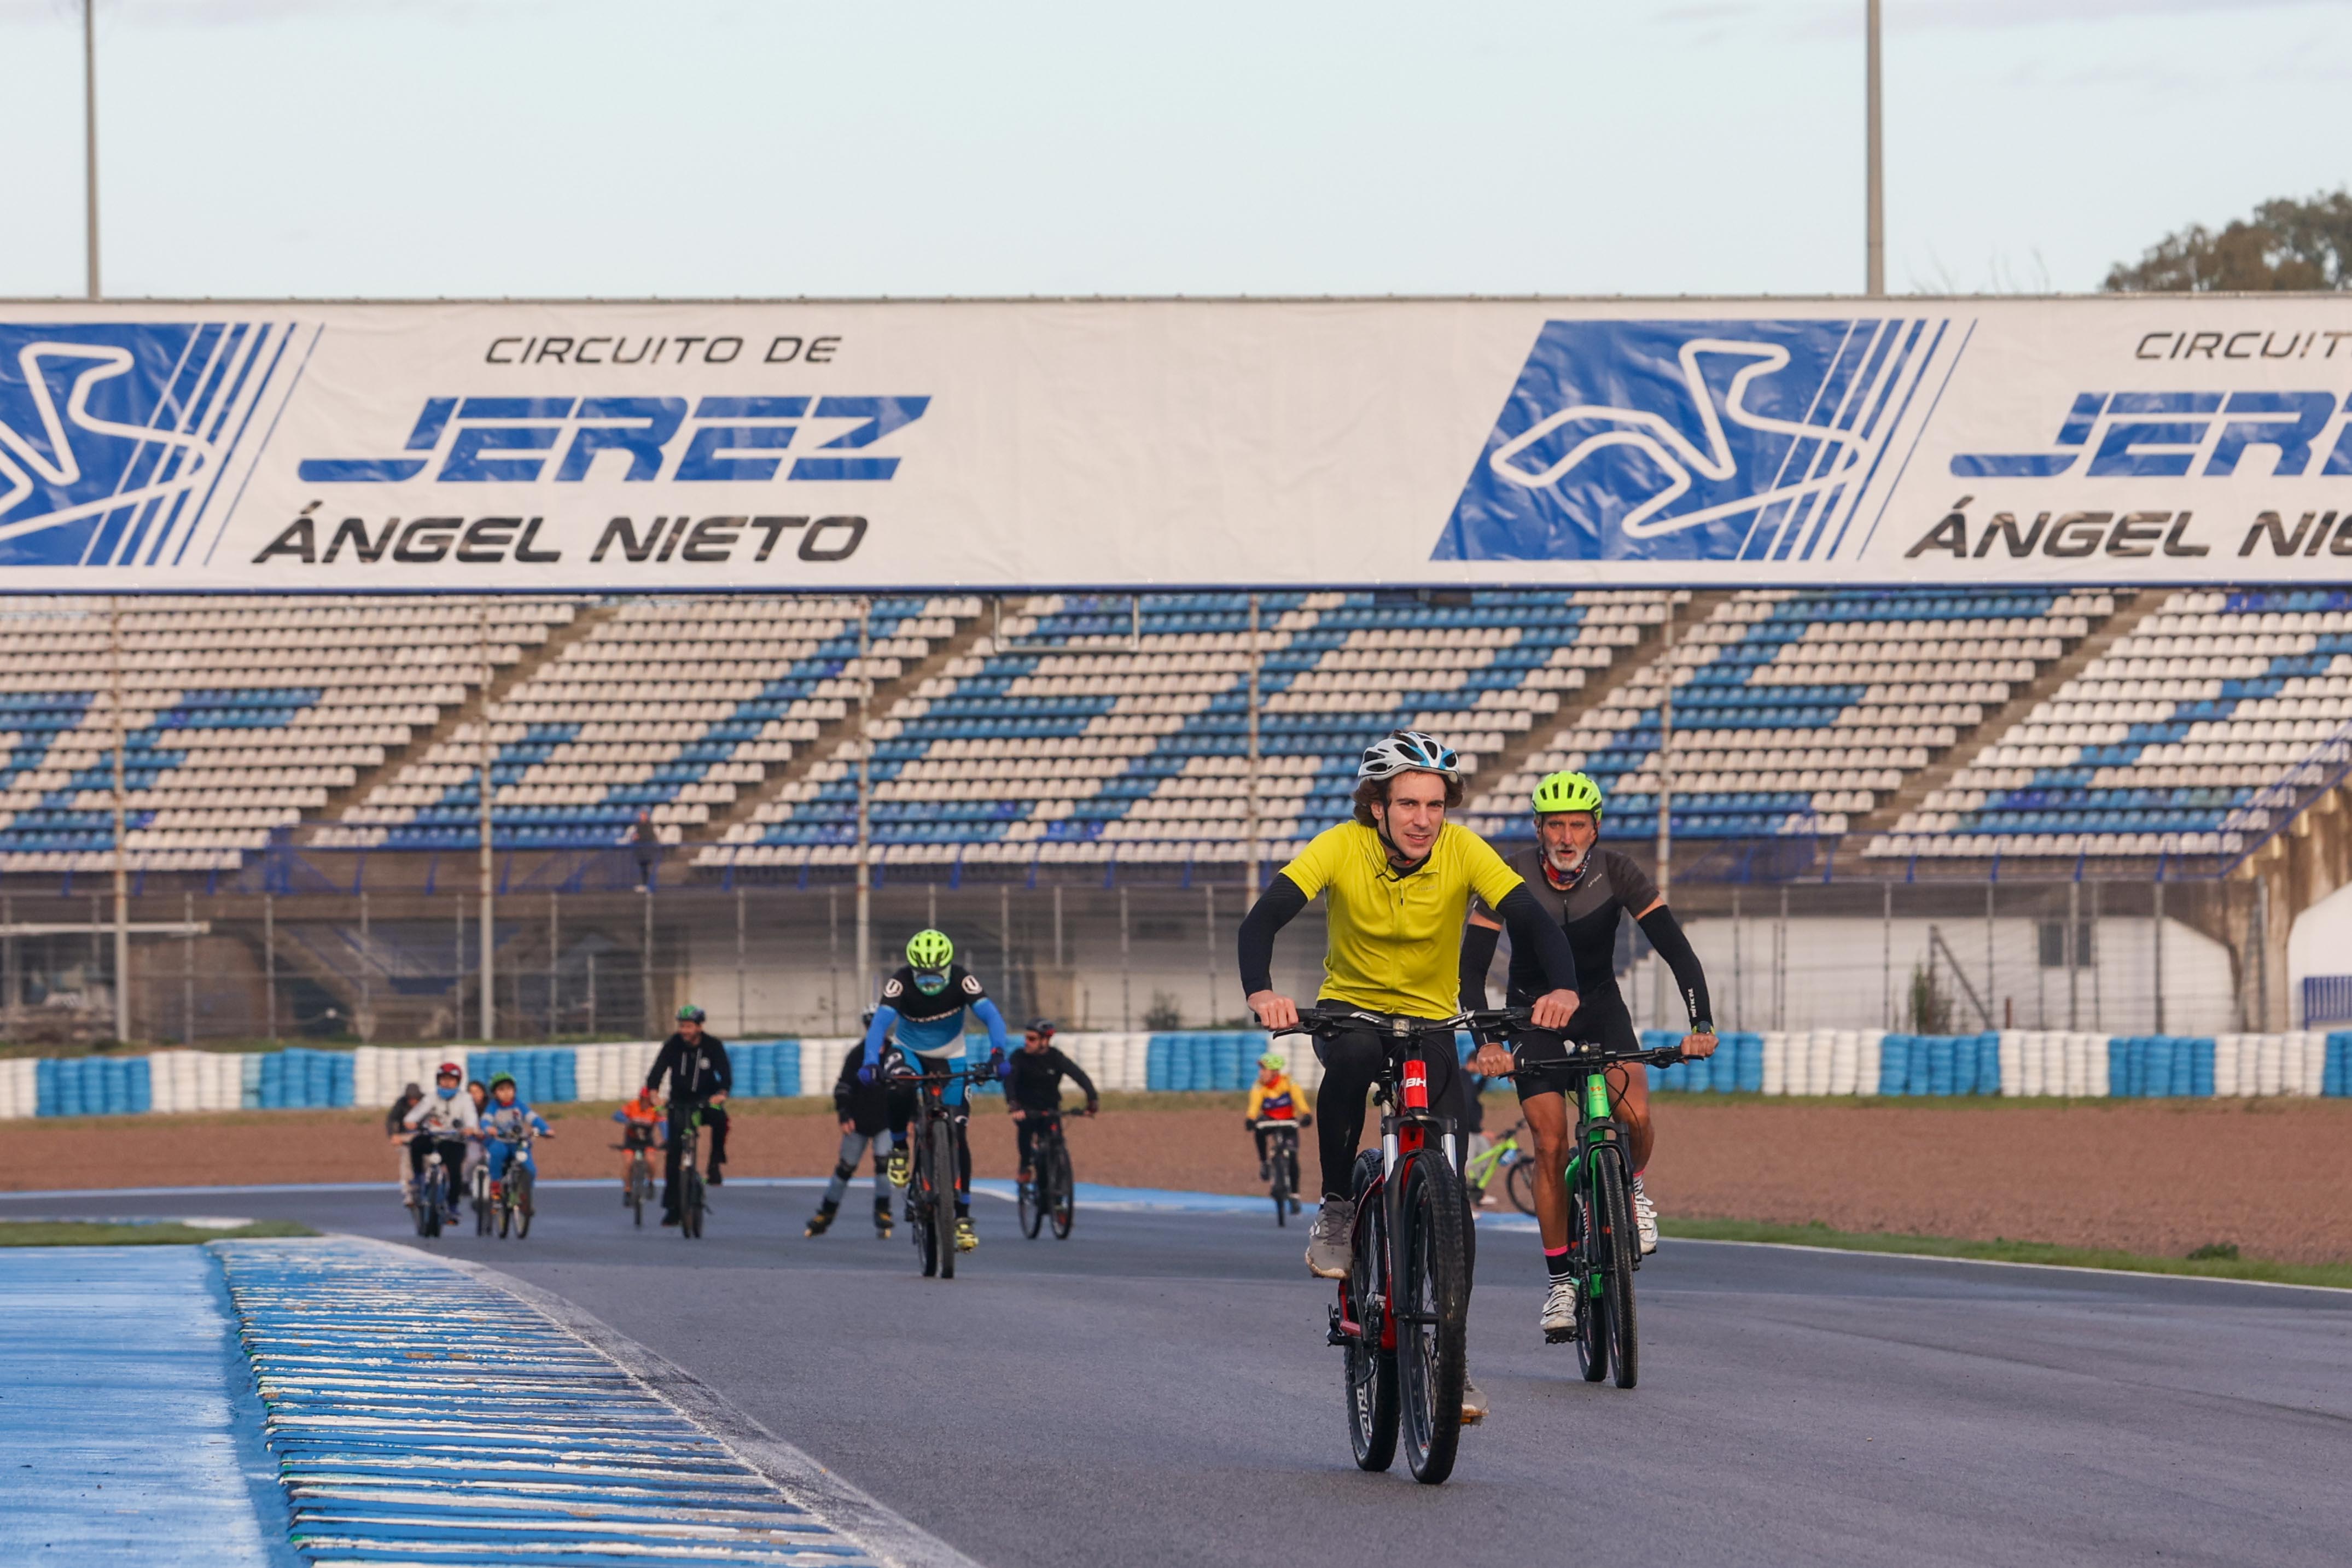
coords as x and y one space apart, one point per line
2287 244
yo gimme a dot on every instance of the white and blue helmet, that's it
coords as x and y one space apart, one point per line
1409 751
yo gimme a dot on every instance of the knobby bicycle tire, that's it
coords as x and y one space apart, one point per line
920 1208
1032 1193
1369 1374
478 1194
640 1179
1281 1188
1433 1284
1064 1207
1617 1280
433 1197
522 1201
943 1195
1519 1182
1590 1246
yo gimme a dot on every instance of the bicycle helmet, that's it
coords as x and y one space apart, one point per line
1274 1061
498 1078
1409 751
1568 792
449 1070
929 949
1039 1025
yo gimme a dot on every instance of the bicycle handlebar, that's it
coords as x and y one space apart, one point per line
1584 1053
1328 1021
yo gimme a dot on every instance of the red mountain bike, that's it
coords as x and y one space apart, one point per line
1403 1310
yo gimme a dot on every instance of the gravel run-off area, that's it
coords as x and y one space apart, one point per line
2273 1176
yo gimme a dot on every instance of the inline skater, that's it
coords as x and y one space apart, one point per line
1397 880
1033 1085
502 1129
1273 1098
444 1119
923 1002
1583 890
700 1076
865 1111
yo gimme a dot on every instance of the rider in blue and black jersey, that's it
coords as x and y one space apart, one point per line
923 1003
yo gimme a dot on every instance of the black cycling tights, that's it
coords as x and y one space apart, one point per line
1351 1065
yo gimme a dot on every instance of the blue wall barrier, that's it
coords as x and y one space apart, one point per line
300 1077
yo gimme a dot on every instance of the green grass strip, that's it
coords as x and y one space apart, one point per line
2337 1276
110 1233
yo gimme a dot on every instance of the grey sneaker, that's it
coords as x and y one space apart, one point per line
1331 1248
1474 1403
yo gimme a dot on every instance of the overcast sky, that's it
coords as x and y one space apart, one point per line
264 148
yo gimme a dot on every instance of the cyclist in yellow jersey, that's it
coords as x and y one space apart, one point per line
1398 882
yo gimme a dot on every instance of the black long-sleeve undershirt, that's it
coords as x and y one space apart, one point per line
1665 934
1532 930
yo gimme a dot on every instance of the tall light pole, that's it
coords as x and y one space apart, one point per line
89 133
1875 244
489 754
865 815
121 855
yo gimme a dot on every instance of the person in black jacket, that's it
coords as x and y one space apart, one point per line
700 1076
1033 1084
865 1111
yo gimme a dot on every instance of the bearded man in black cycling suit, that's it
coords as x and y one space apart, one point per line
1587 889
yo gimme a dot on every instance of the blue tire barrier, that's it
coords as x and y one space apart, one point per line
2336 1079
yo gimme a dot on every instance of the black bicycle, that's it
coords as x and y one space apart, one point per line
1280 1142
1605 1245
1403 1310
639 1188
430 1201
693 1196
513 1192
1051 1192
932 1179
477 1194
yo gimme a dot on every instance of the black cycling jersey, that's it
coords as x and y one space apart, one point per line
695 1071
1036 1082
1612 886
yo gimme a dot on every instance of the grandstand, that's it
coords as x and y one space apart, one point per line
1948 725
2167 738
1095 730
240 717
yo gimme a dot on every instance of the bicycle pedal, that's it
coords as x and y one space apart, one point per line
1560 1336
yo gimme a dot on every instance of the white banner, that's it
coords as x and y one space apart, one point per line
1134 444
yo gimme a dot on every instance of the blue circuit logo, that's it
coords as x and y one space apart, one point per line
637 440
107 431
1687 440
2169 434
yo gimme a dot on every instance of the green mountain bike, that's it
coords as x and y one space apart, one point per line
1604 1247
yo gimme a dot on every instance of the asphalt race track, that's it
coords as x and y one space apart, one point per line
1155 1390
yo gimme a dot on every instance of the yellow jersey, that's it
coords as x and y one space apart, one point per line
1396 940
1278 1101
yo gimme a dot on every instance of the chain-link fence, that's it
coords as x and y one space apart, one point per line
779 958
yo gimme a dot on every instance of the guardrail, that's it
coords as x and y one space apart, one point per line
2010 1062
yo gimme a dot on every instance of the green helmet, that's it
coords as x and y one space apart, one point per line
929 950
1273 1061
1568 792
498 1078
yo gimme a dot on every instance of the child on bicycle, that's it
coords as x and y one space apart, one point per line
643 1126
1273 1098
503 1125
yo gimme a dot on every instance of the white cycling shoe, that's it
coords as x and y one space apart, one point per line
1474 1403
1558 1320
1645 1218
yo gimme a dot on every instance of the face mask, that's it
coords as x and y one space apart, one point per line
446 1091
930 983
